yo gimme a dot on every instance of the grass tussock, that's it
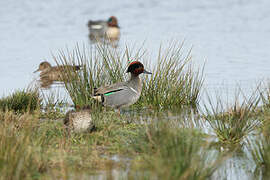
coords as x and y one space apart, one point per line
260 151
174 81
259 146
233 123
21 101
177 153
265 95
94 65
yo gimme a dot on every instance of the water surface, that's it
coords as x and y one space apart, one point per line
231 36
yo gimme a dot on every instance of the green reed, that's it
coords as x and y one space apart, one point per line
259 146
232 123
260 152
174 81
171 152
21 101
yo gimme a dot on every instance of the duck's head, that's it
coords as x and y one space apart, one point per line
112 22
42 66
136 68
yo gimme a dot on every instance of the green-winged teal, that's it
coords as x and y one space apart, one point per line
124 93
104 30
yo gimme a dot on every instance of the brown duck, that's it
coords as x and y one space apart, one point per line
49 73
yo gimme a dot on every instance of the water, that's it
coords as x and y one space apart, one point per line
231 36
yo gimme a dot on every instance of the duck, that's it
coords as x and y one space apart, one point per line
79 121
122 94
108 30
49 73
54 73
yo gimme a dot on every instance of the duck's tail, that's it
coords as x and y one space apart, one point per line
98 97
77 67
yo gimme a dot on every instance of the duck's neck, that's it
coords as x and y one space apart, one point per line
134 77
113 25
135 83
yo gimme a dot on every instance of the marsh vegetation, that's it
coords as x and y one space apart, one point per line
167 134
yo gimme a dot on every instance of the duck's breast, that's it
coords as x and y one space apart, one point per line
113 33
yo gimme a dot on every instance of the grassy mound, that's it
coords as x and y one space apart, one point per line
21 101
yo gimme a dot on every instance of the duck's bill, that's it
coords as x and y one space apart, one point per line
36 71
146 72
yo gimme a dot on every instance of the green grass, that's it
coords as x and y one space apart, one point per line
166 140
17 159
100 66
174 82
260 151
171 152
167 145
21 101
233 123
259 146
33 149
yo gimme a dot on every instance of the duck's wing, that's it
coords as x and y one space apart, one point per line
117 95
96 25
110 89
63 68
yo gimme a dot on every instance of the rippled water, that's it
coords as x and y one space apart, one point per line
232 36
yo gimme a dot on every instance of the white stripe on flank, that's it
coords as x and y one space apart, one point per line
96 26
133 90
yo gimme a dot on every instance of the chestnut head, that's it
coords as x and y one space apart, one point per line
136 68
112 21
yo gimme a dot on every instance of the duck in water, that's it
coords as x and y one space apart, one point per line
104 30
49 73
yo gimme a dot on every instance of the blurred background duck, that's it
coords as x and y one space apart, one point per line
104 30
122 94
49 73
